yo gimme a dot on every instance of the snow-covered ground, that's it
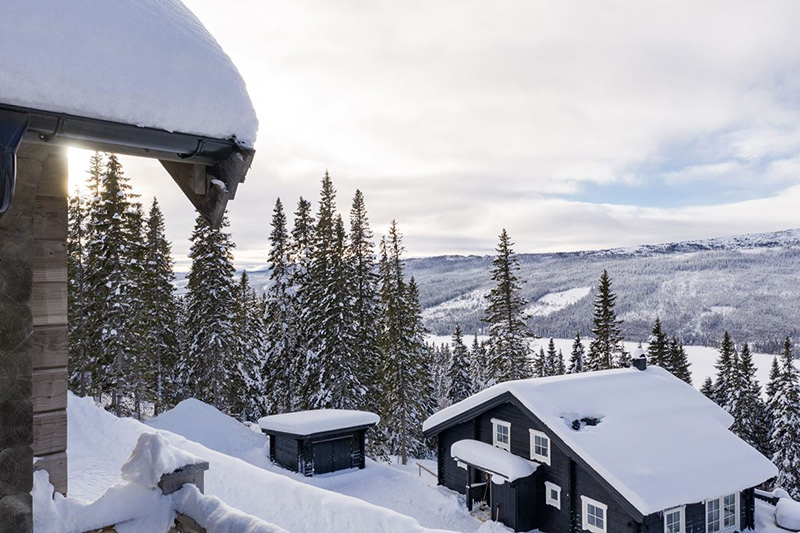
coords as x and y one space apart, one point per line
702 358
556 301
378 498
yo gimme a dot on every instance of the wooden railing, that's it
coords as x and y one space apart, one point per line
421 468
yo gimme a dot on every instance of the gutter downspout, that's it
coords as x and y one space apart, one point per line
12 128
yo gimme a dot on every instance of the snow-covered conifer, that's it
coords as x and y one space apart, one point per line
477 354
727 372
678 361
658 348
708 388
606 349
576 360
77 295
509 335
750 414
551 359
786 430
459 384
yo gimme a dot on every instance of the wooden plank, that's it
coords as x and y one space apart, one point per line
16 423
16 470
55 171
49 305
49 261
49 432
50 218
49 390
56 466
15 513
49 347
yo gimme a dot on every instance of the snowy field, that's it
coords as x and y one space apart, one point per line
379 498
702 358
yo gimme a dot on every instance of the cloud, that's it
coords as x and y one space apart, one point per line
459 117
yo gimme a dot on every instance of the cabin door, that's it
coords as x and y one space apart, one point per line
332 455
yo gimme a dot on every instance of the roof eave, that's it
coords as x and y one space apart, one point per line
302 436
192 160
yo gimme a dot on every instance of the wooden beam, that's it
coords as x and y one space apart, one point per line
50 390
49 305
49 432
49 347
56 466
49 261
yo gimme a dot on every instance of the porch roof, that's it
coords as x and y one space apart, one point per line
484 456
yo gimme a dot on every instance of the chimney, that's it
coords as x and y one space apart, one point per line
640 362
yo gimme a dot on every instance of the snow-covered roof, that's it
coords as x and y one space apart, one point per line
506 466
658 441
317 421
146 62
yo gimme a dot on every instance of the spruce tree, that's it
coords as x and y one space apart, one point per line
477 354
365 306
251 403
77 295
283 358
576 360
301 249
678 361
440 363
509 336
658 348
539 364
138 367
727 372
774 376
708 389
785 410
561 367
160 311
210 363
551 359
606 349
459 384
751 416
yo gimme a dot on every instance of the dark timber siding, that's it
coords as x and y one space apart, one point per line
320 454
450 475
285 451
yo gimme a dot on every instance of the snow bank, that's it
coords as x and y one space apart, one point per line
212 513
153 457
787 514
204 424
496 461
148 63
317 421
272 497
660 442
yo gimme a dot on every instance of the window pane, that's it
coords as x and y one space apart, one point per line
553 494
673 521
712 516
729 510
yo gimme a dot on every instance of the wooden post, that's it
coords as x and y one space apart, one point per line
28 233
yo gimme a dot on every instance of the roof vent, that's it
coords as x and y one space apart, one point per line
580 423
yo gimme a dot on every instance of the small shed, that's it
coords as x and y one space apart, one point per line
318 441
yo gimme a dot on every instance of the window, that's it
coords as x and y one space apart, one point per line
540 447
722 514
675 520
501 434
552 494
594 515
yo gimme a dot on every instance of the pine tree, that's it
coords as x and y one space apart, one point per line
137 367
160 313
77 295
459 384
283 357
708 389
751 417
679 361
551 359
301 249
251 402
726 372
112 341
561 368
606 349
331 379
440 363
539 364
509 336
785 410
658 349
477 366
576 360
210 363
361 259
774 376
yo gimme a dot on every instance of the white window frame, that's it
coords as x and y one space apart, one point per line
501 423
585 502
682 517
721 502
549 487
535 456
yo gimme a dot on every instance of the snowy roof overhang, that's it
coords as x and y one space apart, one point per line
318 421
503 465
142 78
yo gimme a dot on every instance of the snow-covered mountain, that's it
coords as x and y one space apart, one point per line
748 284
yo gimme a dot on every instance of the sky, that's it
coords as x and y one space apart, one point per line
574 125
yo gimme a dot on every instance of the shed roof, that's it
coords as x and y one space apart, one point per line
305 423
658 441
147 63
506 466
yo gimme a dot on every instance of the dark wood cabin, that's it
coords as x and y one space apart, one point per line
318 441
567 487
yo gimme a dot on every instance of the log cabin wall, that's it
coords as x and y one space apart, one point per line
33 334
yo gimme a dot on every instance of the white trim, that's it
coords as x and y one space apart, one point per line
501 423
461 464
682 517
538 457
721 502
585 502
550 501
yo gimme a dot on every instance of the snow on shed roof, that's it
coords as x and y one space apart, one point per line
658 441
148 63
317 421
504 465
